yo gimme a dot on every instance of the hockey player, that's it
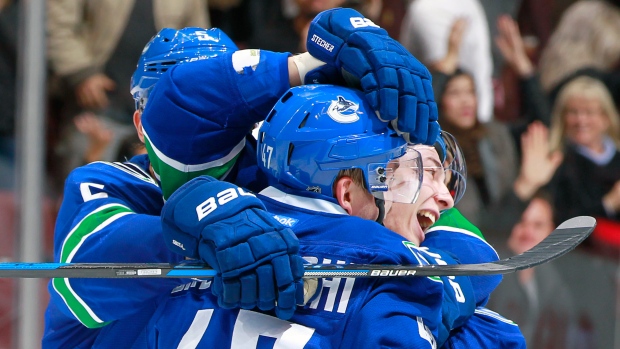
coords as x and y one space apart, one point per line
310 145
307 155
108 207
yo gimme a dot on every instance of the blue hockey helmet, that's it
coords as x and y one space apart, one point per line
170 47
315 131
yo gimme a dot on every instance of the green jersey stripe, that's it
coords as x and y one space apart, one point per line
173 178
93 222
76 305
89 225
179 166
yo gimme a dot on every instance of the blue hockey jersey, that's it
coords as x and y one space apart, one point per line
110 211
454 234
486 329
346 313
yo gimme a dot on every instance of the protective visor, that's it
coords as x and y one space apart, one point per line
399 180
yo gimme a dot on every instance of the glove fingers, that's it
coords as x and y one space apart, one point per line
282 270
419 88
388 77
216 286
248 291
421 129
405 82
428 89
388 103
433 131
297 266
266 287
231 294
433 113
289 237
407 113
373 98
369 82
300 292
287 301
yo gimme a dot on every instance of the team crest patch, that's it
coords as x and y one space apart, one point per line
343 111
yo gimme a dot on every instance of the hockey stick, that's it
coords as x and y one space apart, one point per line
562 240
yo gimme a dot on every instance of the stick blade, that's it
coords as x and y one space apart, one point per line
562 240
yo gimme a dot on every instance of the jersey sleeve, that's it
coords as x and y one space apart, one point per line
454 234
458 302
109 214
229 94
486 329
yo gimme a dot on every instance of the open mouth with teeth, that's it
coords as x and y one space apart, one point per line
426 219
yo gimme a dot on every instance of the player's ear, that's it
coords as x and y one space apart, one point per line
137 122
342 192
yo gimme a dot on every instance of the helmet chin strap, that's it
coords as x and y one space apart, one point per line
381 206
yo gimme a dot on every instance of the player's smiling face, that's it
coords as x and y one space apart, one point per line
411 220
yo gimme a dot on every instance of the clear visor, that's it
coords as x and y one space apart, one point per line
399 180
141 94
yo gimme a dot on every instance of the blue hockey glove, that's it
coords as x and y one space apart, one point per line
396 84
255 256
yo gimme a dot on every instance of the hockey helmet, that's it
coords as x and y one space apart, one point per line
315 131
170 47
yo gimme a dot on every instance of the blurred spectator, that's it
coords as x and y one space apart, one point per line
586 37
585 125
282 25
93 47
493 10
513 48
99 136
495 196
231 16
426 28
537 299
8 97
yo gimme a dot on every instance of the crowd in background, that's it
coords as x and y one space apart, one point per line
530 89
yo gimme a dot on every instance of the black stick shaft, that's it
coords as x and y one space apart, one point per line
562 240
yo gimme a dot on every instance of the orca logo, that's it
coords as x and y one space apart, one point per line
343 111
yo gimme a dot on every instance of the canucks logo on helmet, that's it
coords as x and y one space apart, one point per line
343 111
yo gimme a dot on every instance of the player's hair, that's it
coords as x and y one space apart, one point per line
356 175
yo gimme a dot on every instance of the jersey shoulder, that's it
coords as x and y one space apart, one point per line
125 181
487 329
454 220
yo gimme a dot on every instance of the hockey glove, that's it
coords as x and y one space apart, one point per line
396 84
256 258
